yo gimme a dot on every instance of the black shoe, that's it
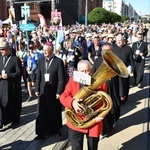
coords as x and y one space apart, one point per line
16 121
140 85
39 137
29 98
1 126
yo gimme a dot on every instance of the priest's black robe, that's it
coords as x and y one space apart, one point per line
49 119
125 54
139 64
113 92
10 91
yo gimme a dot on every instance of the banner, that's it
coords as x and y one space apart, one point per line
56 19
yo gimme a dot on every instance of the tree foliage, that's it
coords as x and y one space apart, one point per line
124 18
114 17
100 15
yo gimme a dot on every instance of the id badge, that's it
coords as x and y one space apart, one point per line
3 72
137 52
46 76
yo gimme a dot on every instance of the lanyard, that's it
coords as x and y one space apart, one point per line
139 45
47 67
6 62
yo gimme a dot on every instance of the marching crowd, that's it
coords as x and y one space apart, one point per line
49 68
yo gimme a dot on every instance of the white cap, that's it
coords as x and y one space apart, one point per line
66 32
88 35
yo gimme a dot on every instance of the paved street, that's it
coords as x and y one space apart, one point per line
131 131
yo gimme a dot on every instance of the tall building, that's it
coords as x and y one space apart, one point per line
121 8
3 10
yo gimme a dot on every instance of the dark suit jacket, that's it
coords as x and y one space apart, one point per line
143 49
13 70
10 90
56 79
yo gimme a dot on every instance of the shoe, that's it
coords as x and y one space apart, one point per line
102 136
39 137
1 126
140 85
29 98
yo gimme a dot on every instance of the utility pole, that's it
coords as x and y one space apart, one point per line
86 12
53 5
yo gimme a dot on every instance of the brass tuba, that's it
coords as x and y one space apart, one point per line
97 104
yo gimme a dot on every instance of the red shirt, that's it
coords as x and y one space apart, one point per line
66 99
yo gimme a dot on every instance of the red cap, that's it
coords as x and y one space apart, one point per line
49 44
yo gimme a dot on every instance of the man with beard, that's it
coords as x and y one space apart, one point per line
124 52
10 85
49 85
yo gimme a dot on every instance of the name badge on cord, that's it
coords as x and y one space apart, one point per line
46 76
137 52
3 72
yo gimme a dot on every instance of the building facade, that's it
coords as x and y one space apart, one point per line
68 9
91 5
121 8
3 10
71 10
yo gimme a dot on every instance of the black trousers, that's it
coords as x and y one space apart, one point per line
76 140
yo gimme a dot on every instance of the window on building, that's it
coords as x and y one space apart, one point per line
32 6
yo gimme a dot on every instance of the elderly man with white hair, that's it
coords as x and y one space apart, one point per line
67 99
124 52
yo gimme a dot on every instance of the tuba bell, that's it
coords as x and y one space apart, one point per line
97 104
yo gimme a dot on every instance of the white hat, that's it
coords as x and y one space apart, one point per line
74 31
66 32
88 35
110 35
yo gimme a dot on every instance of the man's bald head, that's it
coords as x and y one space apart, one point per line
119 40
84 66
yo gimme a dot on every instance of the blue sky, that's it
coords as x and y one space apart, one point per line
140 5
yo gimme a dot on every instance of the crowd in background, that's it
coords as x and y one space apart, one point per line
80 42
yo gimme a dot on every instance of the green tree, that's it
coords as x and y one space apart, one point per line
114 17
98 15
124 18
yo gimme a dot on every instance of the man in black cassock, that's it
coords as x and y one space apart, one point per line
140 51
10 86
113 91
49 85
124 52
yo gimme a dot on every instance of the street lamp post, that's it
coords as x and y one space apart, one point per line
86 12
